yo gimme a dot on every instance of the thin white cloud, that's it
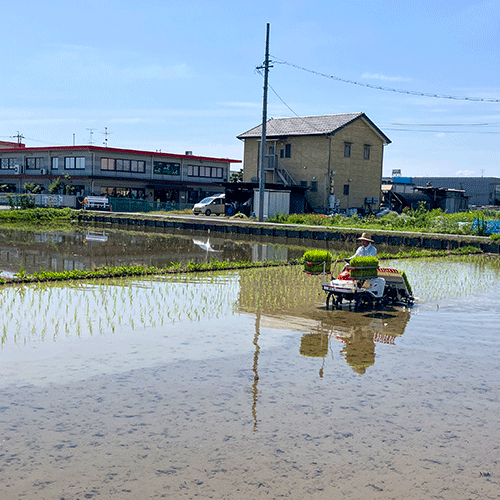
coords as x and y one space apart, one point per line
236 104
385 78
156 72
86 63
465 173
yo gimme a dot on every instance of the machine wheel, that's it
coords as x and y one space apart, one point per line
328 297
208 212
391 296
364 303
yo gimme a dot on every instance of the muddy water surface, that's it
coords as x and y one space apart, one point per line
241 385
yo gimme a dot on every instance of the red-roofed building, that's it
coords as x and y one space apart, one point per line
127 173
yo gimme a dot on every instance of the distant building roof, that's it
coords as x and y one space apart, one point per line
11 145
102 149
310 125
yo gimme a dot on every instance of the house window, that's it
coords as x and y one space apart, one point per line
138 166
346 189
8 163
288 150
282 153
74 163
33 163
201 171
107 164
314 185
366 152
271 150
122 165
54 163
347 149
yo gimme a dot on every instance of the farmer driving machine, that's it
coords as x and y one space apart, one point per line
362 284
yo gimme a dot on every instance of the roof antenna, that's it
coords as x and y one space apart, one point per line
106 133
91 133
19 138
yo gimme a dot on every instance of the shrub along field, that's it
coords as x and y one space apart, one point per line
420 220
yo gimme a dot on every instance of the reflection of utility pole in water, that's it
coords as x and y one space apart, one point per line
315 345
255 391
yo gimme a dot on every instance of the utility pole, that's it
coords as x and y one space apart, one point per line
262 173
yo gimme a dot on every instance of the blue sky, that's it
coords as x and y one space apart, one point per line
180 75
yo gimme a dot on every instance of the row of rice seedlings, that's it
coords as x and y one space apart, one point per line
47 311
435 279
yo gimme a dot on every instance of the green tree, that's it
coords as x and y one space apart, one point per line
236 176
55 186
33 188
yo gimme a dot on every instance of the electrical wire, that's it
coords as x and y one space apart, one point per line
402 124
387 89
291 110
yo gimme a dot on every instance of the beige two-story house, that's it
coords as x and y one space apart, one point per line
337 157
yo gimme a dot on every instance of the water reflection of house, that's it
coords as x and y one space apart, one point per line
360 339
359 332
66 251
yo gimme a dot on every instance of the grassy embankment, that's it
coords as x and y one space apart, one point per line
420 220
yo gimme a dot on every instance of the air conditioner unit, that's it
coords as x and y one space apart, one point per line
43 171
16 169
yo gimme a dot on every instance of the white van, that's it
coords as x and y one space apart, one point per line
95 202
210 205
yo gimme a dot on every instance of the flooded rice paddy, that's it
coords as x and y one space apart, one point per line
240 385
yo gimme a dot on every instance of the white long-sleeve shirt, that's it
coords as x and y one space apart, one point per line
368 251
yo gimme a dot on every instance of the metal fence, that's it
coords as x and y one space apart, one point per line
130 205
16 200
27 200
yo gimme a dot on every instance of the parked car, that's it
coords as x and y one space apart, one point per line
210 205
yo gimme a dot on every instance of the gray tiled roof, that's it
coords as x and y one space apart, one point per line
307 125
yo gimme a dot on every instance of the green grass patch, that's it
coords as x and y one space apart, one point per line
40 215
122 271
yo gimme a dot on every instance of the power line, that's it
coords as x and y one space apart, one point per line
441 124
299 117
291 110
387 89
482 132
